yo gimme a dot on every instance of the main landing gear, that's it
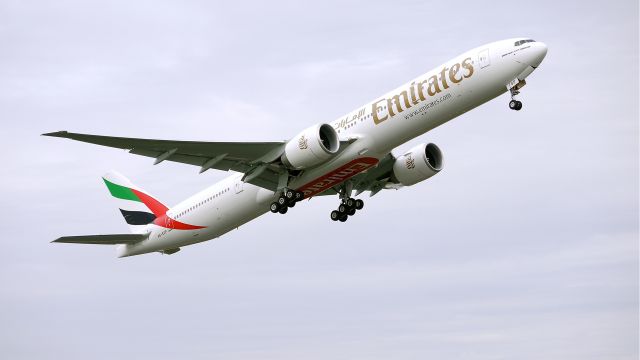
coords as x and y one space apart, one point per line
287 199
347 208
348 205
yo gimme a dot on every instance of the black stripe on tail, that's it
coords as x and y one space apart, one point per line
137 217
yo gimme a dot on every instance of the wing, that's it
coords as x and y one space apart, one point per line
113 239
252 158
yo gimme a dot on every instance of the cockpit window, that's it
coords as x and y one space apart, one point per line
520 42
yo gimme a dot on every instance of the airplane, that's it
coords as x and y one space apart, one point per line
352 154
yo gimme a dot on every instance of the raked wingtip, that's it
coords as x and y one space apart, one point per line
62 133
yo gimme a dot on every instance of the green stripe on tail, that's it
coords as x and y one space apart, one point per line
121 192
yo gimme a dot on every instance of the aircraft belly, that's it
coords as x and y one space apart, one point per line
233 211
356 158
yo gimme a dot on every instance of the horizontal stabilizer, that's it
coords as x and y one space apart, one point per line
112 239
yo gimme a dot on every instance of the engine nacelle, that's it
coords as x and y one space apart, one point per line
311 147
418 164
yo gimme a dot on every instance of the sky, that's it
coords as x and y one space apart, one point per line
525 245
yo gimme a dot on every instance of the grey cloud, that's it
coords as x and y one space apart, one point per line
526 245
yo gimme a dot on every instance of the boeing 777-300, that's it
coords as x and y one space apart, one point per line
345 157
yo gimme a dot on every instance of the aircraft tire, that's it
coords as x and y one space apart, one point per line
518 105
289 194
351 203
274 207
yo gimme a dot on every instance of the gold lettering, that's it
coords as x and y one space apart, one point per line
374 109
467 65
453 72
420 86
395 100
416 92
443 77
413 93
433 88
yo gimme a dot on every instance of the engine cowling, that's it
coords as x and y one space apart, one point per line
418 164
311 147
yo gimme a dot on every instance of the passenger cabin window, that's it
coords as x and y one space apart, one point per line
520 42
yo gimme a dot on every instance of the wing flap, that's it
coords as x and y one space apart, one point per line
111 239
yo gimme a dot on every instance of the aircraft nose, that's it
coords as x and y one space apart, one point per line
536 54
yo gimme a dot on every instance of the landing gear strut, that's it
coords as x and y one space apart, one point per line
287 199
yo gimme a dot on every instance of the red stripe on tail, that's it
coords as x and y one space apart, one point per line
157 208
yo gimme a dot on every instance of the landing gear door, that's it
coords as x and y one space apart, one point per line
483 58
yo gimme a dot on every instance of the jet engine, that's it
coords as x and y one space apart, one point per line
418 164
311 147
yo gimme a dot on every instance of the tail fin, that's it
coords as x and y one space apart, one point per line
136 205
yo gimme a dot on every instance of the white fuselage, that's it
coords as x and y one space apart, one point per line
389 121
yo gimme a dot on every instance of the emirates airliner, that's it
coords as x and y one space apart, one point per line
345 157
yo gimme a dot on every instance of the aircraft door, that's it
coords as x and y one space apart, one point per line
239 186
483 59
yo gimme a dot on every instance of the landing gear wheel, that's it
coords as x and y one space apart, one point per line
343 218
289 194
292 204
282 200
350 202
515 105
283 210
274 207
343 208
351 211
359 204
299 195
335 215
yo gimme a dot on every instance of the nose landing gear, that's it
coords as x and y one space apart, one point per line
514 88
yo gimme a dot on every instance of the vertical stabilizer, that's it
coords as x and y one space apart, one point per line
137 207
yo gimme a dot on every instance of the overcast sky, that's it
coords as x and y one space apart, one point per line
524 247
